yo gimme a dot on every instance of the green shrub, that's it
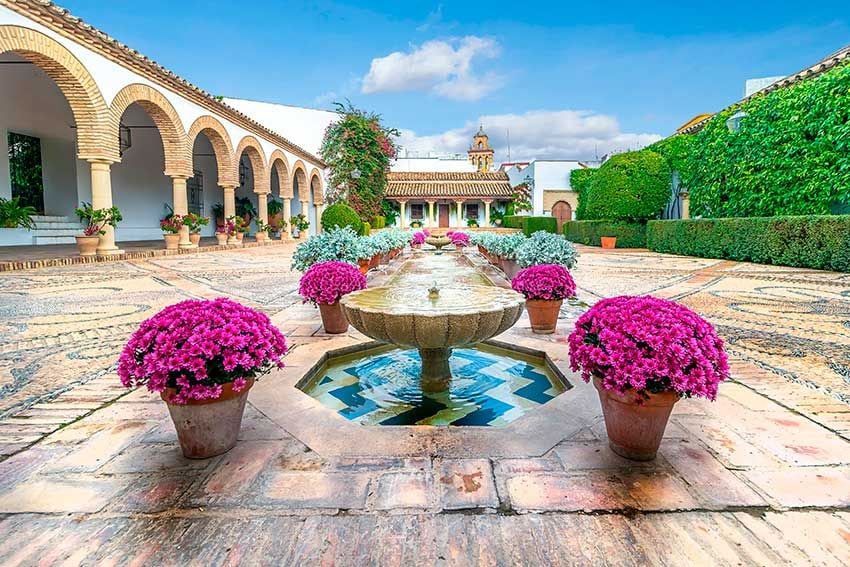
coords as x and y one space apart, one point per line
629 234
366 229
531 225
820 242
513 221
379 222
634 186
341 215
13 214
580 183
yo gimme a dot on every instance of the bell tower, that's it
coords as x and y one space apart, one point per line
480 153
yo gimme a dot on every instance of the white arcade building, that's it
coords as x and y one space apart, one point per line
110 126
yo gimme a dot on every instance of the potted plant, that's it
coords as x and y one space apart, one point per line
323 284
263 230
225 233
472 222
496 217
643 354
245 209
279 227
417 240
416 224
195 222
171 231
546 248
218 216
459 239
15 215
503 250
240 228
544 287
299 225
202 357
96 220
608 242
275 210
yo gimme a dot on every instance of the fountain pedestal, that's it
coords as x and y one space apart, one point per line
436 374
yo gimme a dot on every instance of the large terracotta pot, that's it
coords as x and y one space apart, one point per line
87 245
510 267
608 241
206 428
172 241
221 237
195 238
363 265
374 261
635 425
543 314
333 319
261 237
240 236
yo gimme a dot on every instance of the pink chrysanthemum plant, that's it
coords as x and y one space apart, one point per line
418 238
650 346
190 350
459 238
551 282
327 282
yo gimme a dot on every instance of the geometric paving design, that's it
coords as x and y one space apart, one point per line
488 388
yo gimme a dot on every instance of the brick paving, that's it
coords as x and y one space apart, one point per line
92 474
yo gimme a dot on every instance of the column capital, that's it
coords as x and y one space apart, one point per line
101 161
179 176
487 201
229 187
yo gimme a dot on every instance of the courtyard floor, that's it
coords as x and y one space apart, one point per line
91 473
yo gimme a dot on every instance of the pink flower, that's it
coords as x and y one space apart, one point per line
649 345
545 281
418 238
195 346
327 282
458 238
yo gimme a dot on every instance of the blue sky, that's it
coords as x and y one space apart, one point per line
566 79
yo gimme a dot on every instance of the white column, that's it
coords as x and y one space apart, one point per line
487 213
320 208
403 221
101 198
305 210
287 215
432 222
460 223
180 205
229 202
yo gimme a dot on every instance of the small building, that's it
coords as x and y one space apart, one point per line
549 184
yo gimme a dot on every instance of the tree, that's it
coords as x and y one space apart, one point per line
632 186
358 150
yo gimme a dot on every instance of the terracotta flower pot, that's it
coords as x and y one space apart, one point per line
206 428
385 259
221 237
416 246
608 241
635 425
261 237
374 261
87 245
333 319
172 241
240 236
543 314
363 265
195 238
481 249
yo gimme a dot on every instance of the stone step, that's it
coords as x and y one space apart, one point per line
70 231
38 239
52 218
57 225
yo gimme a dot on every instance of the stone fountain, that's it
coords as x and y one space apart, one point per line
434 321
438 241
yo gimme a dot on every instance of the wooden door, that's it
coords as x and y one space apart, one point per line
444 216
563 212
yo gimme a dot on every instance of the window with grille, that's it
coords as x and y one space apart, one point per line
472 211
417 211
195 187
25 170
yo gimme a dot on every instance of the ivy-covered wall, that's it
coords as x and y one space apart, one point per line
791 155
580 183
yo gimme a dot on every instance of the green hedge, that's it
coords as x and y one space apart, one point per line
629 234
633 186
379 222
366 229
580 183
531 225
513 221
821 242
341 215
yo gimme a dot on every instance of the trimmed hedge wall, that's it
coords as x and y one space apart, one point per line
629 234
531 225
821 242
513 221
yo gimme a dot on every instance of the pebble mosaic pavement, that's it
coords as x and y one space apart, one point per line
90 474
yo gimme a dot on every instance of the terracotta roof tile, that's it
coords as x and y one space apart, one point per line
448 185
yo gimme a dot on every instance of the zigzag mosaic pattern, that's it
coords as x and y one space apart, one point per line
488 389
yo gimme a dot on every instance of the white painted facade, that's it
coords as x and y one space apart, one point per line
542 175
31 103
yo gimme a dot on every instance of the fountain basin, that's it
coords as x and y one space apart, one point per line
438 241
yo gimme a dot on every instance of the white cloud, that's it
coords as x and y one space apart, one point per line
541 134
438 66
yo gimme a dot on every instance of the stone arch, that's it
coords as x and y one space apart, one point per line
299 172
222 147
279 163
250 146
91 114
317 187
178 161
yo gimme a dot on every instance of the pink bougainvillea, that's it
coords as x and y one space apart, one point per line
195 346
545 281
327 282
649 345
459 238
418 237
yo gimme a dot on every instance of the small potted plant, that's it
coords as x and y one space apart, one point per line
236 229
417 240
279 227
96 220
218 217
643 354
323 284
171 231
472 222
225 233
544 287
459 239
416 224
496 217
264 229
195 223
299 224
202 357
608 242
275 210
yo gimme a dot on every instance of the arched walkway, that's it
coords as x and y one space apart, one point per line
221 144
91 114
279 168
254 151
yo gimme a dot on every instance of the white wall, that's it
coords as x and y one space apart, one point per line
547 175
39 109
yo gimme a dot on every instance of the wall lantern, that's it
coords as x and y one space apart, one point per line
734 121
